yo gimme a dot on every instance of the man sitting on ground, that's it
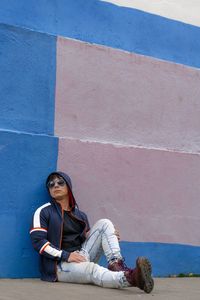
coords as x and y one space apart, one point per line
69 250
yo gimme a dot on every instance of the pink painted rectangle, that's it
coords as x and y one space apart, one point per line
150 195
103 94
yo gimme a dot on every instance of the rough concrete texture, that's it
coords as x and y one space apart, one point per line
34 289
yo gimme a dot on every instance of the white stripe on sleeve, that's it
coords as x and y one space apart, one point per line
36 217
38 229
52 251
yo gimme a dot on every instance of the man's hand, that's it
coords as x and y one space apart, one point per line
76 257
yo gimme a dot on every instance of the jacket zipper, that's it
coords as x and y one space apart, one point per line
61 227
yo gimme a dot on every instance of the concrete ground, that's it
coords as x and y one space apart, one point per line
34 289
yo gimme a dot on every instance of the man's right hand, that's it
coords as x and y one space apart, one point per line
76 257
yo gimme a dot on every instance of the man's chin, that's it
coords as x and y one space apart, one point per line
59 199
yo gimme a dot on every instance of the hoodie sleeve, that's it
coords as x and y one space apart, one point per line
39 239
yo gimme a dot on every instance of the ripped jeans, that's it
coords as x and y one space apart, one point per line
102 239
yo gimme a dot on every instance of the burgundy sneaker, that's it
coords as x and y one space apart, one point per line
141 275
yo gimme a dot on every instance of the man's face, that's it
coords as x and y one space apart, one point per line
58 188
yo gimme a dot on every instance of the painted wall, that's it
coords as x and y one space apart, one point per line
106 24
25 161
181 10
108 95
129 129
28 151
122 117
27 77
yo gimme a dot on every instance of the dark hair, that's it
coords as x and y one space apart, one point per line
52 177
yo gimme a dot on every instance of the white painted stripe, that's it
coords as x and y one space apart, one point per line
36 218
180 10
38 229
42 248
52 251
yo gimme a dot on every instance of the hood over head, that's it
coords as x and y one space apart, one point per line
69 184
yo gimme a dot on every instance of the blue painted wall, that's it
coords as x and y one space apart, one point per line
25 162
167 259
28 151
27 80
107 24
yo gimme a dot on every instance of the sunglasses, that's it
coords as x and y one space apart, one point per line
59 182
